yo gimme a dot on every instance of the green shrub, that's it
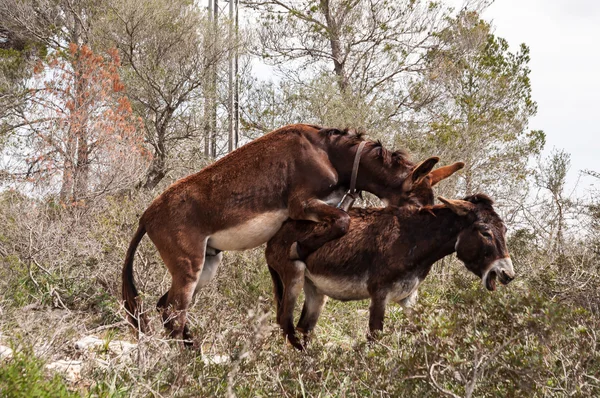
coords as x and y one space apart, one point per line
24 376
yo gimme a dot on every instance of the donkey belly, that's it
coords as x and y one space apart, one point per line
250 234
344 288
403 289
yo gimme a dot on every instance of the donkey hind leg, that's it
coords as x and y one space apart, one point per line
332 223
161 306
314 301
209 270
292 286
212 260
277 292
185 267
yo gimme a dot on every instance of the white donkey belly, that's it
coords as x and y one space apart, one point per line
250 234
341 288
404 291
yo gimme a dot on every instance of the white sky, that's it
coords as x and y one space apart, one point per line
564 39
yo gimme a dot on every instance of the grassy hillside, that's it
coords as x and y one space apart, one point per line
60 282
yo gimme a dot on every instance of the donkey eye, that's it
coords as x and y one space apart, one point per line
487 234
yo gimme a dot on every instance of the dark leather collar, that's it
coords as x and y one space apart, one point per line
350 196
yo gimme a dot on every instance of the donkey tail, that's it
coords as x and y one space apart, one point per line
136 318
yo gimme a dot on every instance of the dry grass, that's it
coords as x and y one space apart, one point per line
60 280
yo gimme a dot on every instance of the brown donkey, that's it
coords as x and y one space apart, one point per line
241 201
385 255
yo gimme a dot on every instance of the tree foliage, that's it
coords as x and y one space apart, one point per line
78 126
351 60
169 50
482 108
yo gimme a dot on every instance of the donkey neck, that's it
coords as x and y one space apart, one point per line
342 157
432 235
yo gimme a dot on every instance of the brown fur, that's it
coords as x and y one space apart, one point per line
388 249
240 201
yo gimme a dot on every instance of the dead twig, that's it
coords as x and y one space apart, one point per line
435 383
111 326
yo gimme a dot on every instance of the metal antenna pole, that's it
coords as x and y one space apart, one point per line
214 80
237 77
208 90
231 143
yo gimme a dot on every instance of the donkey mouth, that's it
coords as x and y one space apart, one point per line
490 281
502 276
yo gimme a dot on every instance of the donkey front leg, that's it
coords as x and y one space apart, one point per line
333 223
376 314
292 286
277 292
314 301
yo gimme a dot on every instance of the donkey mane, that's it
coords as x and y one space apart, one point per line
356 136
389 158
477 198
480 198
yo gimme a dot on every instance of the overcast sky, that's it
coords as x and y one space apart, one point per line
564 39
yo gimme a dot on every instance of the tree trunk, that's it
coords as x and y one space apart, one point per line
468 176
79 125
156 172
82 169
213 140
208 92
336 48
558 243
66 189
158 167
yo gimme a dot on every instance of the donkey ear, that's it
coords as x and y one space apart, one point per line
421 171
444 172
460 207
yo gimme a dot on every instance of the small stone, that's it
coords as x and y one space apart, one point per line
119 347
102 363
215 359
5 352
458 376
88 342
71 370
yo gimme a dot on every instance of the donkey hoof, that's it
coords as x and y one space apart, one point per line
293 340
191 345
374 336
306 338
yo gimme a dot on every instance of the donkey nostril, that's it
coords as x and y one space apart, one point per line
506 276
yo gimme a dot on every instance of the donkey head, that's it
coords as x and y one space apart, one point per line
381 172
482 245
391 176
417 187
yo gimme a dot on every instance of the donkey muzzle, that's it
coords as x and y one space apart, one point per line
501 269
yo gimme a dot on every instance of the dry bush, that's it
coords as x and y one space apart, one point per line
60 281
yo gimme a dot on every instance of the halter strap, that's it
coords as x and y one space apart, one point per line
352 193
355 166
